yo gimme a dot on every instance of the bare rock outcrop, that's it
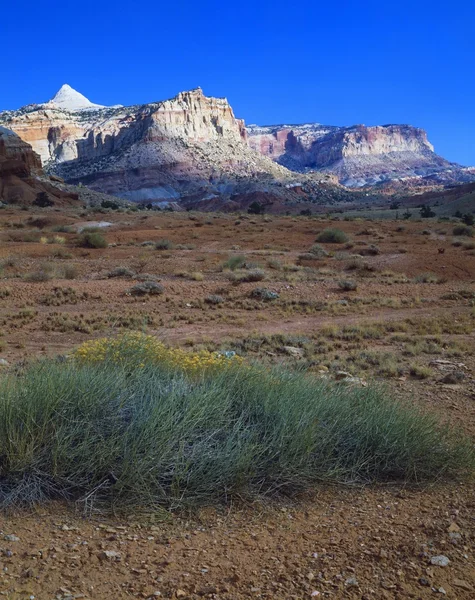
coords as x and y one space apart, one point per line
359 155
156 151
21 175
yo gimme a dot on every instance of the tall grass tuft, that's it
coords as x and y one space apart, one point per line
142 434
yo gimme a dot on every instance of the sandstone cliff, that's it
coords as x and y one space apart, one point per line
193 146
358 156
151 152
21 175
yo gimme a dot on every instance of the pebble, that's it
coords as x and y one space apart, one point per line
110 555
11 538
351 582
3 362
439 561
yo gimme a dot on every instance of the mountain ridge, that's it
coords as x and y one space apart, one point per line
193 144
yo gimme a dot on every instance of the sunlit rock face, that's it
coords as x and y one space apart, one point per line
142 152
21 174
194 144
358 155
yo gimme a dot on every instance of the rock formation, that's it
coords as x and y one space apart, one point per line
192 146
358 156
21 177
156 151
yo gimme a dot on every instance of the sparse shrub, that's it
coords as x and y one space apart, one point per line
197 276
264 294
92 240
332 236
356 264
426 212
464 230
318 251
214 299
426 278
69 271
61 253
371 250
46 272
63 229
275 264
121 272
255 208
147 277
347 285
248 276
112 204
420 371
57 239
468 219
163 245
234 262
43 200
145 288
454 377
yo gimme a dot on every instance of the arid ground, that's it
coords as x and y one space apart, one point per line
393 303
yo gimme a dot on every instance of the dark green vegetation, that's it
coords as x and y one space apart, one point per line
126 435
332 236
92 239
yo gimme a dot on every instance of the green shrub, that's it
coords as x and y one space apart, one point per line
317 251
46 272
347 285
163 245
149 436
92 239
332 236
214 299
146 288
121 272
234 262
264 294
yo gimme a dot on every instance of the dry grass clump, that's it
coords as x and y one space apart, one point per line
420 371
247 276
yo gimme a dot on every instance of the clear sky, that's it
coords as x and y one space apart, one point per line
335 62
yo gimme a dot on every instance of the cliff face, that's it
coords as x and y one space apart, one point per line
149 152
16 155
21 173
359 155
193 144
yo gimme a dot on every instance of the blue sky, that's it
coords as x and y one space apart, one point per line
338 63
